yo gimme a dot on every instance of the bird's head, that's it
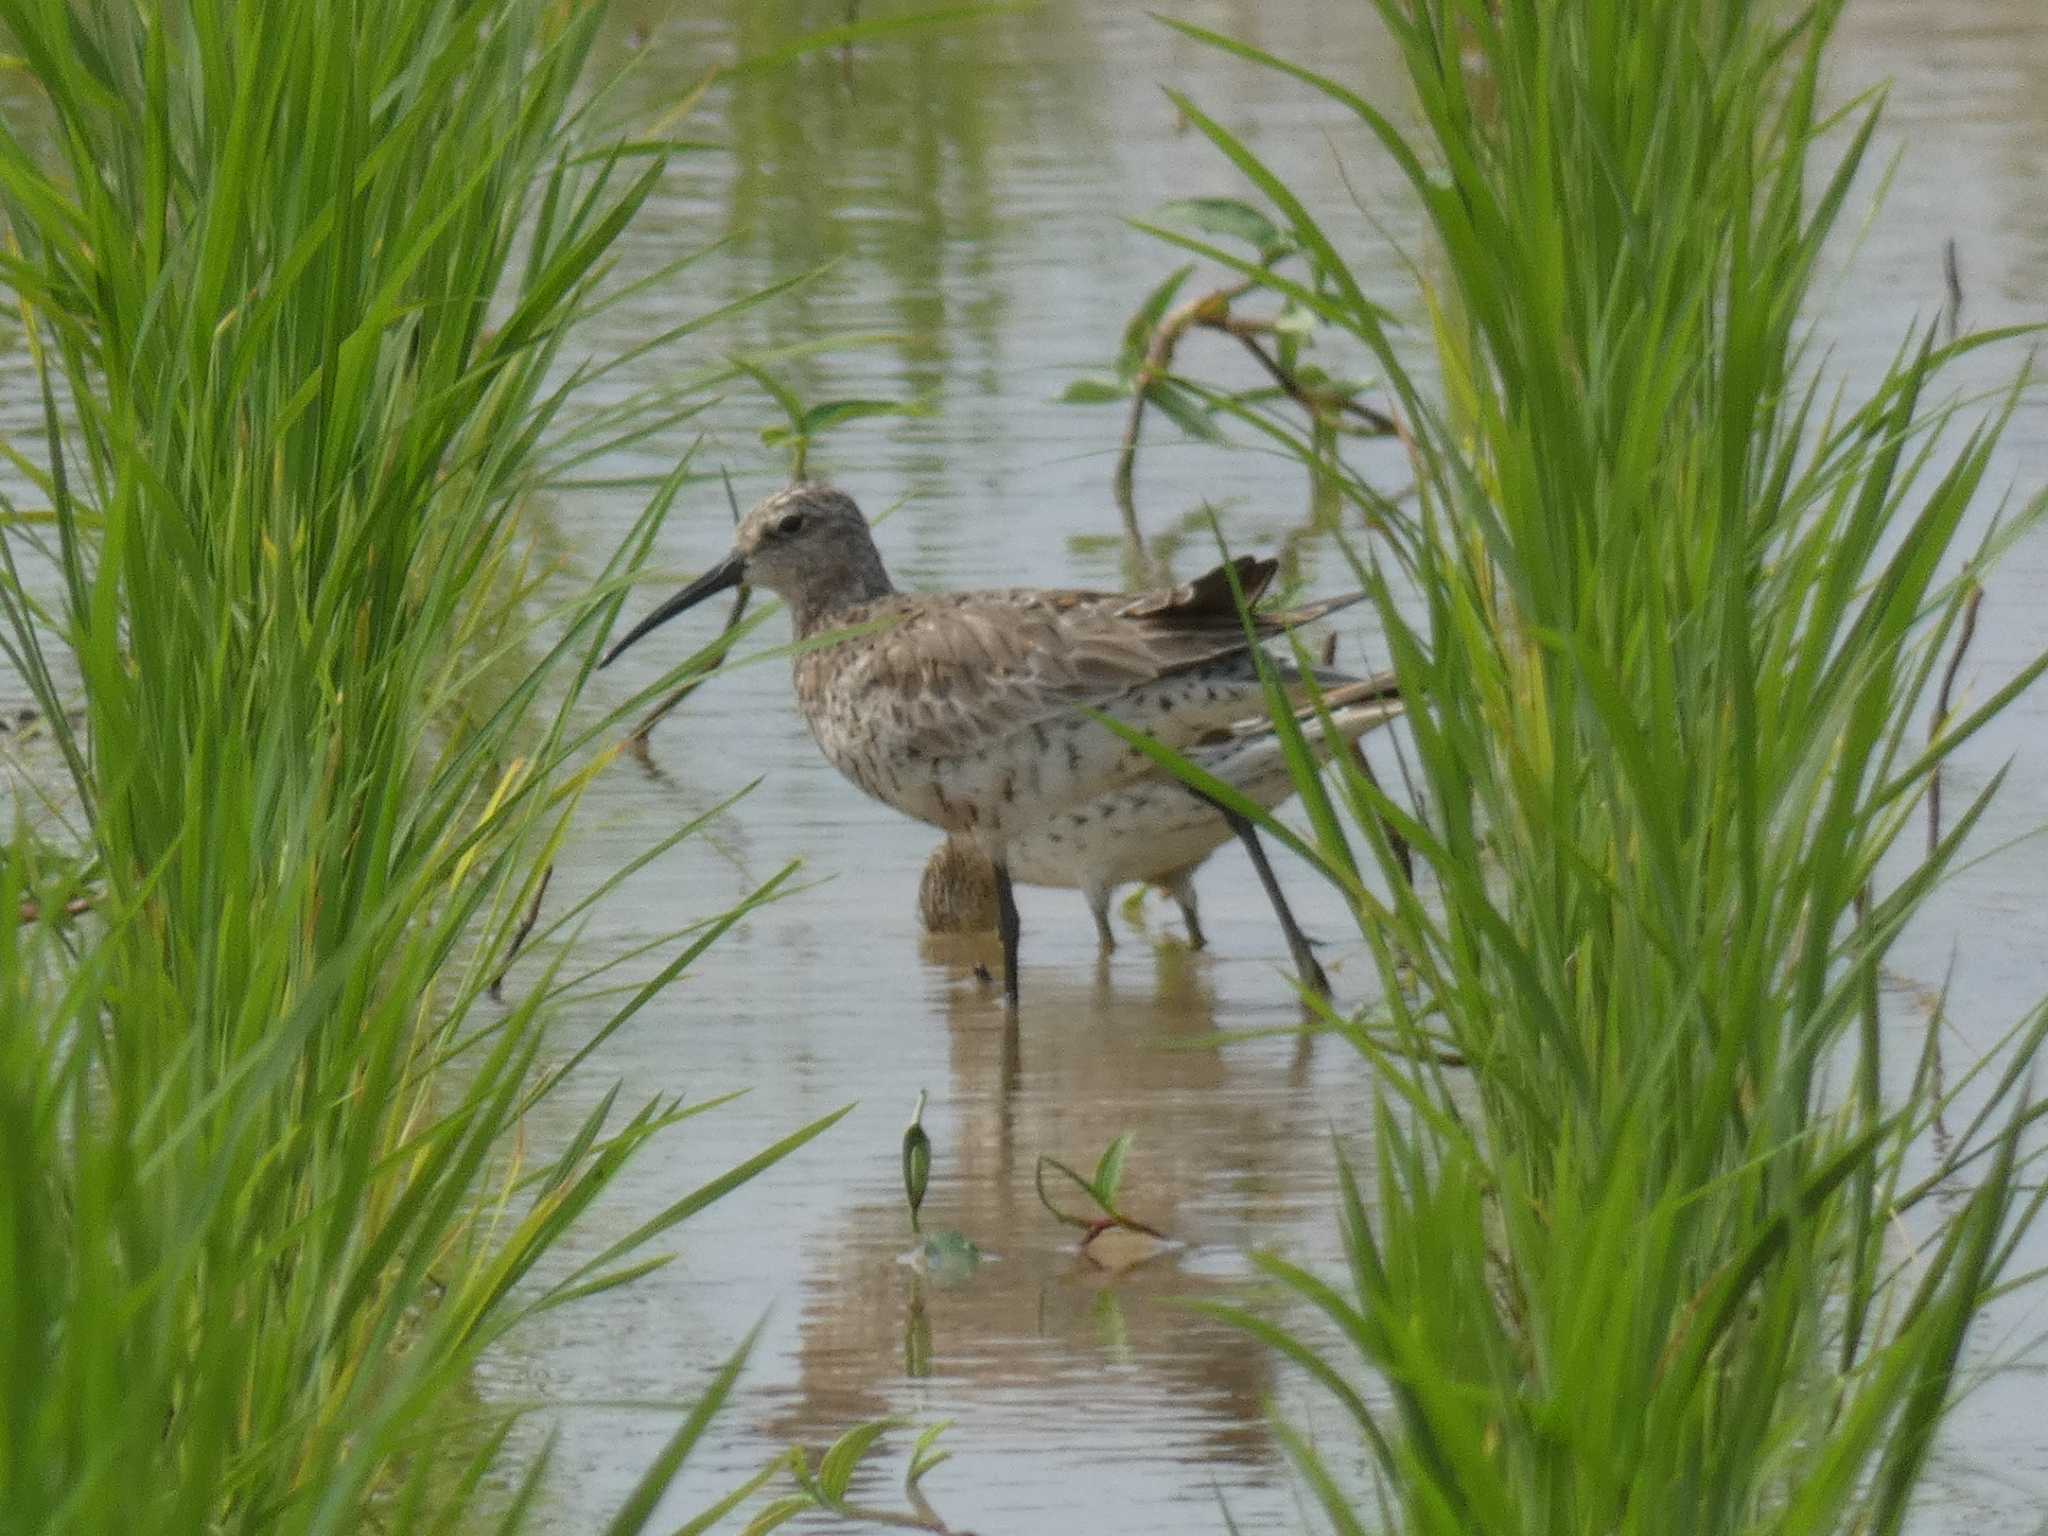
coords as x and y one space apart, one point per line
808 544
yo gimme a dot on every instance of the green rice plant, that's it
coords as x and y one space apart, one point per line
827 1487
1665 1250
803 425
299 283
917 1163
1101 1188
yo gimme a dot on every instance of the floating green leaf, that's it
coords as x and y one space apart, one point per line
950 1257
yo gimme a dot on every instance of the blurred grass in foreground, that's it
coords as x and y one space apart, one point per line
298 281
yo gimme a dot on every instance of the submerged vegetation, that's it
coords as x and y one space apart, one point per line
1674 604
298 283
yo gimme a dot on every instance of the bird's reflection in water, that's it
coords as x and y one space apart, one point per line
1223 1140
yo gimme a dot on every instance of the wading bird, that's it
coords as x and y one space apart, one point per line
977 711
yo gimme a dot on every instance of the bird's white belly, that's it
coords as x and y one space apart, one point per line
1151 828
1146 832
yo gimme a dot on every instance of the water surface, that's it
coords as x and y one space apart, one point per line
971 186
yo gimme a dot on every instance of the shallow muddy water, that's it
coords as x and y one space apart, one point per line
972 185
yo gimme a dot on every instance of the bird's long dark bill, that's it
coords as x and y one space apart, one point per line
729 572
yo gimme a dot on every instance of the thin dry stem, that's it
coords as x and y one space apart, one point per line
525 928
1158 363
1248 333
1941 713
1211 311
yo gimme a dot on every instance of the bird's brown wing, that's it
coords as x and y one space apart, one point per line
971 668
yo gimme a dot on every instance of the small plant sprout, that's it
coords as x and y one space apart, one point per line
1143 372
824 1489
1110 1239
948 1257
805 424
917 1162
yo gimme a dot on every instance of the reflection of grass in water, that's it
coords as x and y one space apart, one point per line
301 277
889 159
1670 615
817 156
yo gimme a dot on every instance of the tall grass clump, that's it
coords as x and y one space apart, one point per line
297 282
1672 1247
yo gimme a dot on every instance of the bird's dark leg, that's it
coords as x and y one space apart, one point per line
1305 961
1098 903
1009 929
1181 888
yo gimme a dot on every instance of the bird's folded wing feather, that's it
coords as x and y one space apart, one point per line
985 665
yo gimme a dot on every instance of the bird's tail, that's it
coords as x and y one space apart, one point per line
1380 692
1251 757
1354 705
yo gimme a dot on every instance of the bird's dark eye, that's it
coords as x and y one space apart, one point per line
791 523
